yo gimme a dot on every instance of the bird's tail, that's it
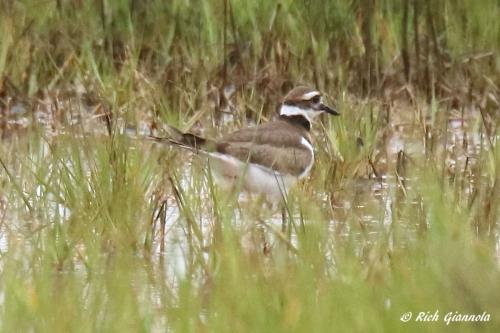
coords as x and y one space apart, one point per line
183 140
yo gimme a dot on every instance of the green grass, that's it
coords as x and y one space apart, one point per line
372 234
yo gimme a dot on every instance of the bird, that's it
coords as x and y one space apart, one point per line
265 159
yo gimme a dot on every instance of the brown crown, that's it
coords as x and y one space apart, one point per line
297 93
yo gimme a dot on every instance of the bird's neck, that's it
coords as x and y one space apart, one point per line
297 120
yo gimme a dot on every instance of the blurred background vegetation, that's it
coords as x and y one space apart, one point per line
366 47
99 232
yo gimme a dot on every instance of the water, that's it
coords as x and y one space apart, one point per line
363 212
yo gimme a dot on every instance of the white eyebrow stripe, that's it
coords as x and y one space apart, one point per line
311 94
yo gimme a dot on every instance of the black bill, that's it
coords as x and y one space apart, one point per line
329 110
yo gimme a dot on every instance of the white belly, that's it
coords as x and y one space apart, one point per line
230 172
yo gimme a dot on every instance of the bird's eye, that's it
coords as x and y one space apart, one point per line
316 99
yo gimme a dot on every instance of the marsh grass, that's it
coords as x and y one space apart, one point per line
103 232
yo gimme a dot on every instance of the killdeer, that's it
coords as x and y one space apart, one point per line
264 159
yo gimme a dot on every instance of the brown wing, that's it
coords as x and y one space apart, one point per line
276 133
290 160
273 145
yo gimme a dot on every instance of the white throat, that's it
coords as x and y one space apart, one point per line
290 110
